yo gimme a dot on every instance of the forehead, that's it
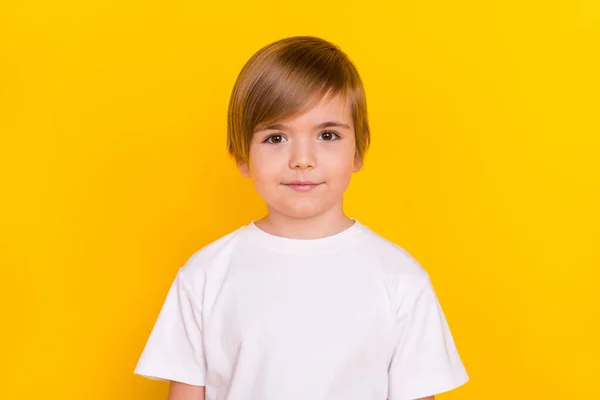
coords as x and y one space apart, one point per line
328 108
336 107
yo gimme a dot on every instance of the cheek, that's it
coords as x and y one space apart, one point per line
339 162
264 165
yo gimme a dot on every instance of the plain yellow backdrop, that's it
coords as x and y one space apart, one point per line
484 165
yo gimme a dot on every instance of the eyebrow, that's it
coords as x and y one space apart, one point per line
322 125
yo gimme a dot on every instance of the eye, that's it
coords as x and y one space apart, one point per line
329 136
274 139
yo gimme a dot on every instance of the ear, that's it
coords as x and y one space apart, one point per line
244 169
358 163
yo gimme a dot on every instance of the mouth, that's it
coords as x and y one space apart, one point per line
302 186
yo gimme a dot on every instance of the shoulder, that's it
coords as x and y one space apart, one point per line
402 270
213 256
395 258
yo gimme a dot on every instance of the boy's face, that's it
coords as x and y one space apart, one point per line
302 166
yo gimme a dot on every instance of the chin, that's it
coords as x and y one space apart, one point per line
303 209
303 214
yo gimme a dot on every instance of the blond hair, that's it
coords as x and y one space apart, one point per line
286 78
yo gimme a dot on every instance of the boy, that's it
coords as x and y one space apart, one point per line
305 303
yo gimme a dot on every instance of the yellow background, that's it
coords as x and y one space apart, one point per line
484 165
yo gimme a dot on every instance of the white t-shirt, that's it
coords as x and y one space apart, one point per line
262 317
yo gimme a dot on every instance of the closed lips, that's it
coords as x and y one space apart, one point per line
302 186
302 183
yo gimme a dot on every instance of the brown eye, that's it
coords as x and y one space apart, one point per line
329 136
275 139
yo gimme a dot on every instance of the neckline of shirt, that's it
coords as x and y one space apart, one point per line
281 244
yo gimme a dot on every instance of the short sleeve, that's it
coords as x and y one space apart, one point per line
174 351
425 361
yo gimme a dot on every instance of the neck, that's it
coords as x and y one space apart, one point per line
318 226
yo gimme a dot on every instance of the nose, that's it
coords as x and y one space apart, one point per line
302 154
